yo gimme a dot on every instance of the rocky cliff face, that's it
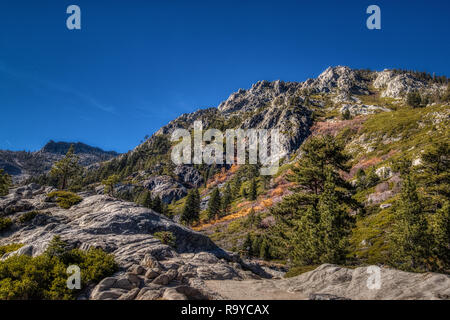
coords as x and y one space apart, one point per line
21 164
287 105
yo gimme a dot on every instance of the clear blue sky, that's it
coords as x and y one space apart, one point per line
138 64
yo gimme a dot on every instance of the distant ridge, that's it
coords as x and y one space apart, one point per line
22 164
62 147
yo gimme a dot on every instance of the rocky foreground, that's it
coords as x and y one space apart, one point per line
331 282
196 268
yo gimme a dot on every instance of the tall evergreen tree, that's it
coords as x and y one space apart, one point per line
434 173
145 199
66 168
214 204
191 207
360 179
256 244
313 223
247 246
372 178
157 204
441 236
110 183
166 210
226 199
334 225
402 165
265 181
320 234
320 155
244 192
264 251
197 200
253 189
305 247
409 237
236 186
5 182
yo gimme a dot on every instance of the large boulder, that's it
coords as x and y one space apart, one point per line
166 187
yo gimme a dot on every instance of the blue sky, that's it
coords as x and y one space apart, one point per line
137 64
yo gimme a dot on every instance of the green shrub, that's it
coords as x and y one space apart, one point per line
298 270
166 237
10 248
414 99
24 277
5 223
346 115
65 199
44 276
28 216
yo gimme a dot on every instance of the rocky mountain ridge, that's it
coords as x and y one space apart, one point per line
291 107
266 105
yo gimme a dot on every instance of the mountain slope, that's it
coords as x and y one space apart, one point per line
291 107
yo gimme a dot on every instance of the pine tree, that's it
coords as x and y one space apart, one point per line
434 172
410 238
66 168
5 182
145 199
226 199
321 232
251 219
306 238
334 225
360 179
205 177
402 165
346 115
191 207
319 156
253 189
319 195
256 245
211 172
414 99
372 178
247 245
244 192
214 204
197 201
265 180
250 171
157 204
441 236
166 210
264 251
110 183
236 186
